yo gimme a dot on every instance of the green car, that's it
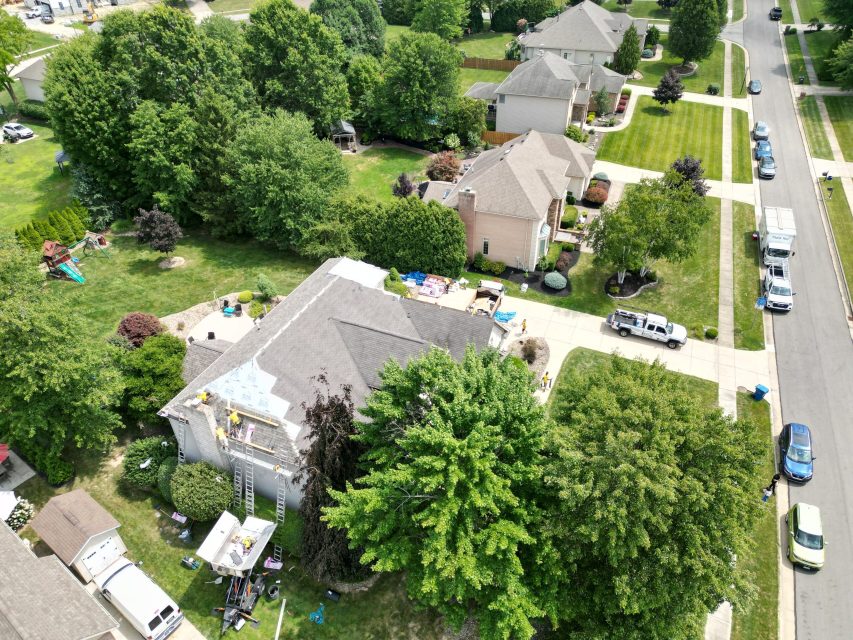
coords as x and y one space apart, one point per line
805 536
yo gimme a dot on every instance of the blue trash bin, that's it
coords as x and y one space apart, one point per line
760 392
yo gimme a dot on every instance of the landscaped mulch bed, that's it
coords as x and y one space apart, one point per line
535 279
631 286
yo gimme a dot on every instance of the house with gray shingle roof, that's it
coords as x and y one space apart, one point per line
547 94
511 199
585 33
341 323
41 600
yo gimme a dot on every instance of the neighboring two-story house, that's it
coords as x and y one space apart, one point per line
511 199
547 94
585 33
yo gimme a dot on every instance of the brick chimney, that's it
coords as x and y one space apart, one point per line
467 209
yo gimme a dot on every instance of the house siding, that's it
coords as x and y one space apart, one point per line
572 55
519 114
511 240
33 89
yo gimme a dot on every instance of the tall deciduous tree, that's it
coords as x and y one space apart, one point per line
14 40
420 85
841 65
840 13
615 242
297 62
281 177
364 75
627 56
330 462
669 89
158 230
694 29
441 17
453 455
60 387
654 496
152 375
358 22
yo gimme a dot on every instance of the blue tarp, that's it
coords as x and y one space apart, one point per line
504 316
417 276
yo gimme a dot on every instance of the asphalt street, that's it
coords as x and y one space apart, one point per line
814 352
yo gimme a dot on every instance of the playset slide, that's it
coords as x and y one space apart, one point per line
71 272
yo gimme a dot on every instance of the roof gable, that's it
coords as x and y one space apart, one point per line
546 76
583 27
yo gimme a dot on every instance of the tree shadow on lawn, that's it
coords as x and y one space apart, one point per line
656 111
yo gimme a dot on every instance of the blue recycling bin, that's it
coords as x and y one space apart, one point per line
760 392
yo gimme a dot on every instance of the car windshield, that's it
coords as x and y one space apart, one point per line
768 163
778 253
799 454
779 290
669 327
809 540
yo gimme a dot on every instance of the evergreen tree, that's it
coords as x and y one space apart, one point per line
330 462
694 29
36 241
66 235
46 230
70 216
669 89
603 101
627 56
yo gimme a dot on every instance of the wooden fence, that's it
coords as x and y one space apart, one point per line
498 137
490 64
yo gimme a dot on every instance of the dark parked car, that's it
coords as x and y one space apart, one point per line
762 148
47 18
767 167
796 453
776 13
754 87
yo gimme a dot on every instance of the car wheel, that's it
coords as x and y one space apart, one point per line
672 344
623 332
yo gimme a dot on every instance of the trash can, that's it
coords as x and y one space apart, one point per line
801 80
273 592
760 392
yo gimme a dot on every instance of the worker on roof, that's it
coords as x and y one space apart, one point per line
234 418
223 439
204 396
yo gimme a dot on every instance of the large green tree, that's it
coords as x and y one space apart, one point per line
297 62
281 177
420 86
694 29
358 22
627 56
441 17
840 13
152 376
841 65
59 387
14 40
453 458
364 75
654 495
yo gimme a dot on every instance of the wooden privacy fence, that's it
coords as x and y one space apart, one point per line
489 63
498 137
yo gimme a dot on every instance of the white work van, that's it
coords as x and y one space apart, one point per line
146 606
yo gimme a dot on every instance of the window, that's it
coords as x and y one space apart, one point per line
565 56
485 246
501 98
155 622
165 613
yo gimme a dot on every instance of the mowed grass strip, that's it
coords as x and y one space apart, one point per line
812 9
656 137
739 78
840 110
815 131
640 9
795 58
741 147
842 227
749 321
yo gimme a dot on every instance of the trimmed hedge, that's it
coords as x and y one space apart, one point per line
555 280
201 491
33 109
245 297
164 477
146 450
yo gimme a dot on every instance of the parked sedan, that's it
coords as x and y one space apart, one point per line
760 131
767 167
806 545
754 87
15 131
796 453
762 149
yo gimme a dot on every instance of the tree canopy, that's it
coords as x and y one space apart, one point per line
627 56
358 22
694 29
14 40
841 64
157 229
453 452
669 89
840 13
441 17
152 375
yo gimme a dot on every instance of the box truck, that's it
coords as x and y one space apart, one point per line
776 235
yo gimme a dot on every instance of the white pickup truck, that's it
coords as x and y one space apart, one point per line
777 287
647 325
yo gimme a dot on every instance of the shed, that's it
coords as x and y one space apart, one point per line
80 531
31 75
343 133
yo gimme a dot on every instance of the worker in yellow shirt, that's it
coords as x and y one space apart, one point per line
204 396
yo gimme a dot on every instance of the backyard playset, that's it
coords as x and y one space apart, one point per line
60 261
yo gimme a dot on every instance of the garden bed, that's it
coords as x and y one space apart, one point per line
632 286
534 279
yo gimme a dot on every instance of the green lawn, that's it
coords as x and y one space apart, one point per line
741 147
787 14
760 621
738 72
811 9
738 10
640 9
374 171
820 44
131 280
840 110
795 58
38 41
687 293
232 6
382 612
467 77
394 31
709 71
842 228
815 131
484 45
749 325
656 138
30 182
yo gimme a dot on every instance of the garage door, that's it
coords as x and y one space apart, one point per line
101 556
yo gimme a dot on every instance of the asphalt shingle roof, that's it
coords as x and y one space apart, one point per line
550 76
200 355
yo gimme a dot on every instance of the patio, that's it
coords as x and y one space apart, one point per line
231 329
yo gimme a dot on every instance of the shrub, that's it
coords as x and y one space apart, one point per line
245 296
566 223
201 491
568 246
521 25
33 109
444 166
652 276
21 514
120 342
150 452
562 263
626 91
711 333
570 198
613 290
138 326
555 280
529 349
574 132
394 283
652 36
713 89
590 117
789 30
255 308
595 195
366 139
452 141
479 261
611 122
394 275
164 477
497 267
266 287
513 51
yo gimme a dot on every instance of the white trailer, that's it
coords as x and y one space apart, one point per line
233 549
776 234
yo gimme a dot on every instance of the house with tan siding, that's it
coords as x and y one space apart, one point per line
511 199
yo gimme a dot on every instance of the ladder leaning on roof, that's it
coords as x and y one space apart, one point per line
182 439
249 462
280 503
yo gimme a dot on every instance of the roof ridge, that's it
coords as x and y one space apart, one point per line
393 334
